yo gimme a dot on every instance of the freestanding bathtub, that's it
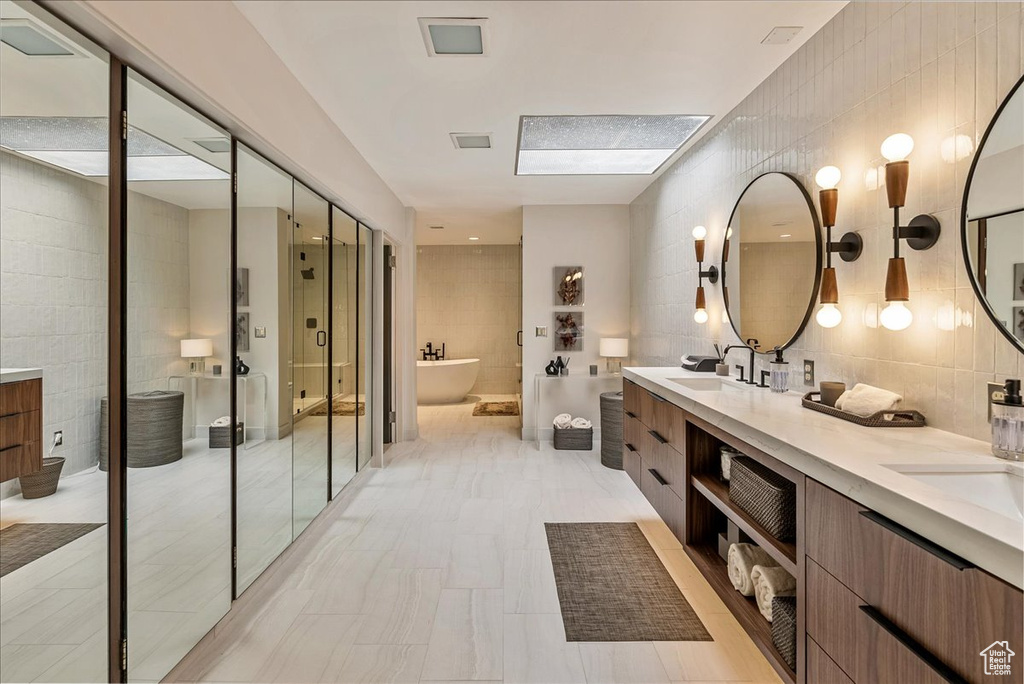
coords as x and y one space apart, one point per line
445 382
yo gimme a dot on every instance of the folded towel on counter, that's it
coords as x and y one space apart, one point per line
223 421
581 423
865 400
562 421
770 582
742 559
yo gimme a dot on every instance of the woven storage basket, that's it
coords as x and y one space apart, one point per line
42 483
154 429
220 436
765 496
611 430
784 628
574 439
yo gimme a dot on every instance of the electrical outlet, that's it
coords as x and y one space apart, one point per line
58 438
542 331
808 372
260 331
996 391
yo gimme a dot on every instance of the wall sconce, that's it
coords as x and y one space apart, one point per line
700 315
848 248
922 232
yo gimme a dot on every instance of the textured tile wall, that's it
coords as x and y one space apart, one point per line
469 298
930 69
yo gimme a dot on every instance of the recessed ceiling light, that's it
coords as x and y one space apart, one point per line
215 145
474 238
33 40
780 35
601 144
454 36
471 141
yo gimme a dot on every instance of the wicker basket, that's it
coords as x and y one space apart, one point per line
883 419
44 482
574 439
784 628
765 496
220 436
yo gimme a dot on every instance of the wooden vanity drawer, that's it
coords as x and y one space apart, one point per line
20 460
631 397
646 408
663 459
632 463
632 429
21 428
21 397
821 669
664 500
946 605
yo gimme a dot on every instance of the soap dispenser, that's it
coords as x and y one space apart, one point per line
1008 423
779 373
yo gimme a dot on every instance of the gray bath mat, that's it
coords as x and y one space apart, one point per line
22 543
613 587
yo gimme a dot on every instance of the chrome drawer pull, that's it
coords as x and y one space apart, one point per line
917 540
917 649
655 435
630 414
630 447
657 476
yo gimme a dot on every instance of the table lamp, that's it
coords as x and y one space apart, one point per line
614 348
196 352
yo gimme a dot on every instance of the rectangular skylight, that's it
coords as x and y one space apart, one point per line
454 36
601 144
471 141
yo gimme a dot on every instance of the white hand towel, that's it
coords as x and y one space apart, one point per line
865 400
563 421
770 582
581 423
223 421
742 559
842 399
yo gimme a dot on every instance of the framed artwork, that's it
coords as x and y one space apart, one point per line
242 286
567 284
568 327
242 331
1018 281
1018 323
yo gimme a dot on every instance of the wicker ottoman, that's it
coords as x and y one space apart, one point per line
611 430
154 429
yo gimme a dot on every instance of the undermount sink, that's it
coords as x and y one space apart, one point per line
998 488
706 384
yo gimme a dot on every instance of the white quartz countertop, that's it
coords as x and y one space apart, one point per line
19 374
853 460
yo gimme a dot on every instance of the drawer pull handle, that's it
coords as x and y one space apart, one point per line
630 447
917 649
655 435
658 398
916 539
630 414
9 448
657 476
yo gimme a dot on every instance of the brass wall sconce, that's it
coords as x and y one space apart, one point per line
700 314
922 232
848 248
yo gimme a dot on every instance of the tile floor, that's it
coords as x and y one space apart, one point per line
436 569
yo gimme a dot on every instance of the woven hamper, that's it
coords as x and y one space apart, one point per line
766 496
574 439
784 628
44 481
611 430
154 429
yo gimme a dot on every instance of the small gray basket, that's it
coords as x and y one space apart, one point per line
784 628
220 436
44 481
766 496
574 439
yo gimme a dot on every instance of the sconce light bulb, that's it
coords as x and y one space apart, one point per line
700 232
700 316
897 147
896 316
828 177
829 316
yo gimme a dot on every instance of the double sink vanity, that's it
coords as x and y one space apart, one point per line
909 548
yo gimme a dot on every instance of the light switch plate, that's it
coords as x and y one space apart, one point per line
542 331
808 372
260 331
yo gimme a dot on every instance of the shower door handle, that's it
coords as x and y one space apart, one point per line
519 338
324 338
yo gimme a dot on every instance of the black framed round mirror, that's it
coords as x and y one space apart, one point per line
771 262
992 218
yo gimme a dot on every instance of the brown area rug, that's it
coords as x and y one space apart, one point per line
341 408
496 408
22 543
613 587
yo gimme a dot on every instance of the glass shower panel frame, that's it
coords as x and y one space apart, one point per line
364 355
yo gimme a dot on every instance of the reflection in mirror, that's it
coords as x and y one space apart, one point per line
771 262
344 407
365 360
993 232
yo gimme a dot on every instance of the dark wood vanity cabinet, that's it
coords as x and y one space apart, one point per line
21 428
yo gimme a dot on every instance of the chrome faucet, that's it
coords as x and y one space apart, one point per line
749 379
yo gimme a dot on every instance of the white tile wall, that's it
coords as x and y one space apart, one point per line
469 298
931 69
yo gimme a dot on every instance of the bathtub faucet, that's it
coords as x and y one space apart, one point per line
432 354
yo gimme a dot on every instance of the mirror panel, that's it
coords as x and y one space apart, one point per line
993 219
771 262
344 405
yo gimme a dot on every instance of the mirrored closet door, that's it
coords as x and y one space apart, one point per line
344 405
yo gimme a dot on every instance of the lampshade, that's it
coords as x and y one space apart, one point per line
196 348
614 347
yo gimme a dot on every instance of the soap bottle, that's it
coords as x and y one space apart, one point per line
1008 423
779 373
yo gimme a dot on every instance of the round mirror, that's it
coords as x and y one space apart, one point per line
771 262
992 223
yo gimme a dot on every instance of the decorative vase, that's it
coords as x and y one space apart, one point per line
240 367
551 368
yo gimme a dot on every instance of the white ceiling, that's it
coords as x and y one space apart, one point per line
366 64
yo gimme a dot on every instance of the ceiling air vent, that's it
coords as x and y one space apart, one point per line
31 39
471 141
454 36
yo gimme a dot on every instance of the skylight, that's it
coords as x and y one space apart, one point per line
454 36
602 144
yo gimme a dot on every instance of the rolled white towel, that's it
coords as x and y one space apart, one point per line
742 559
842 399
770 582
865 400
581 424
223 421
563 421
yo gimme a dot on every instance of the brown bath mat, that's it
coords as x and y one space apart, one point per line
22 543
496 408
613 587
341 408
